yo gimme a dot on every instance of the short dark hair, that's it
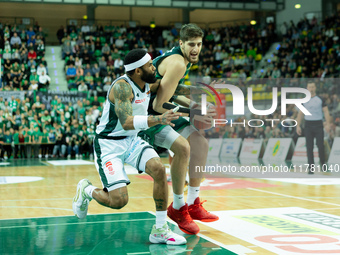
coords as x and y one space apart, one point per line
189 31
133 56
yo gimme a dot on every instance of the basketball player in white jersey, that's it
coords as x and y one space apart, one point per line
116 143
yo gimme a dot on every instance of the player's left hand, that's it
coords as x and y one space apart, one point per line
154 86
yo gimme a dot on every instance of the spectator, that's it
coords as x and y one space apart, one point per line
15 41
119 42
71 72
32 54
67 50
82 87
41 69
117 64
60 146
73 146
8 138
16 57
44 80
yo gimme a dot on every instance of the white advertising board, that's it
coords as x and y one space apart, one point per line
251 148
214 147
230 147
334 157
300 151
284 231
277 149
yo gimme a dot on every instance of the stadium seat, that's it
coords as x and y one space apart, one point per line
259 87
258 57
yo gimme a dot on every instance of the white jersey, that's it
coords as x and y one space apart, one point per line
110 125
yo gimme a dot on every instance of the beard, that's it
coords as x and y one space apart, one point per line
148 77
187 57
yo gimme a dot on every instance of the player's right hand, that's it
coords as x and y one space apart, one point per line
298 130
168 116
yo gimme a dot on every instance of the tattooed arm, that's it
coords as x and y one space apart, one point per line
185 89
122 95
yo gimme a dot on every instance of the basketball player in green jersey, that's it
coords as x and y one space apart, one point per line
171 68
116 143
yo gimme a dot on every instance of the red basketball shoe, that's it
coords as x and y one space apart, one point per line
183 219
197 212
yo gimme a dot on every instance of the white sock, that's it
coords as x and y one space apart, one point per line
89 190
178 201
160 218
193 193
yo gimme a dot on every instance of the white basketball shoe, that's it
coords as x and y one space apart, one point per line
81 200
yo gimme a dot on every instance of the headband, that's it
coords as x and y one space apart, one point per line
138 63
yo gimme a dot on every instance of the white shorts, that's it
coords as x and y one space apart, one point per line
110 156
167 136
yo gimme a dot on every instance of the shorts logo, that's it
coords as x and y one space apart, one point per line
140 101
110 167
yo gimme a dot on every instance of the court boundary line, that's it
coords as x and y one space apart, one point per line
74 223
71 215
289 196
37 207
34 199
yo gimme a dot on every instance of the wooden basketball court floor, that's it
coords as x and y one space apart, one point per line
257 216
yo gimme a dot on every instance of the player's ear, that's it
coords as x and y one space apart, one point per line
138 71
181 43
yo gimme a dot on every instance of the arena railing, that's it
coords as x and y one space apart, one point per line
101 22
21 22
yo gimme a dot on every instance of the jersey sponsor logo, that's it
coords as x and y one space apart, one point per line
110 167
139 101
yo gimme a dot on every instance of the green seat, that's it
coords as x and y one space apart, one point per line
101 99
97 53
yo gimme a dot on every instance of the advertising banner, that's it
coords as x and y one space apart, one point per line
7 95
65 96
230 147
277 149
288 230
334 156
251 148
300 151
214 147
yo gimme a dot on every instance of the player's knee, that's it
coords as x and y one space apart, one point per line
201 145
118 202
158 171
183 149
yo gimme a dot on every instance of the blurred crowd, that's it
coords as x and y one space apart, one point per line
94 56
22 54
28 129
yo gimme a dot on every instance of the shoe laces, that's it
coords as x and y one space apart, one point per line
196 206
186 215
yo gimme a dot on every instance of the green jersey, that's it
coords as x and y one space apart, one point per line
36 136
149 134
44 138
14 105
156 62
27 136
16 138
